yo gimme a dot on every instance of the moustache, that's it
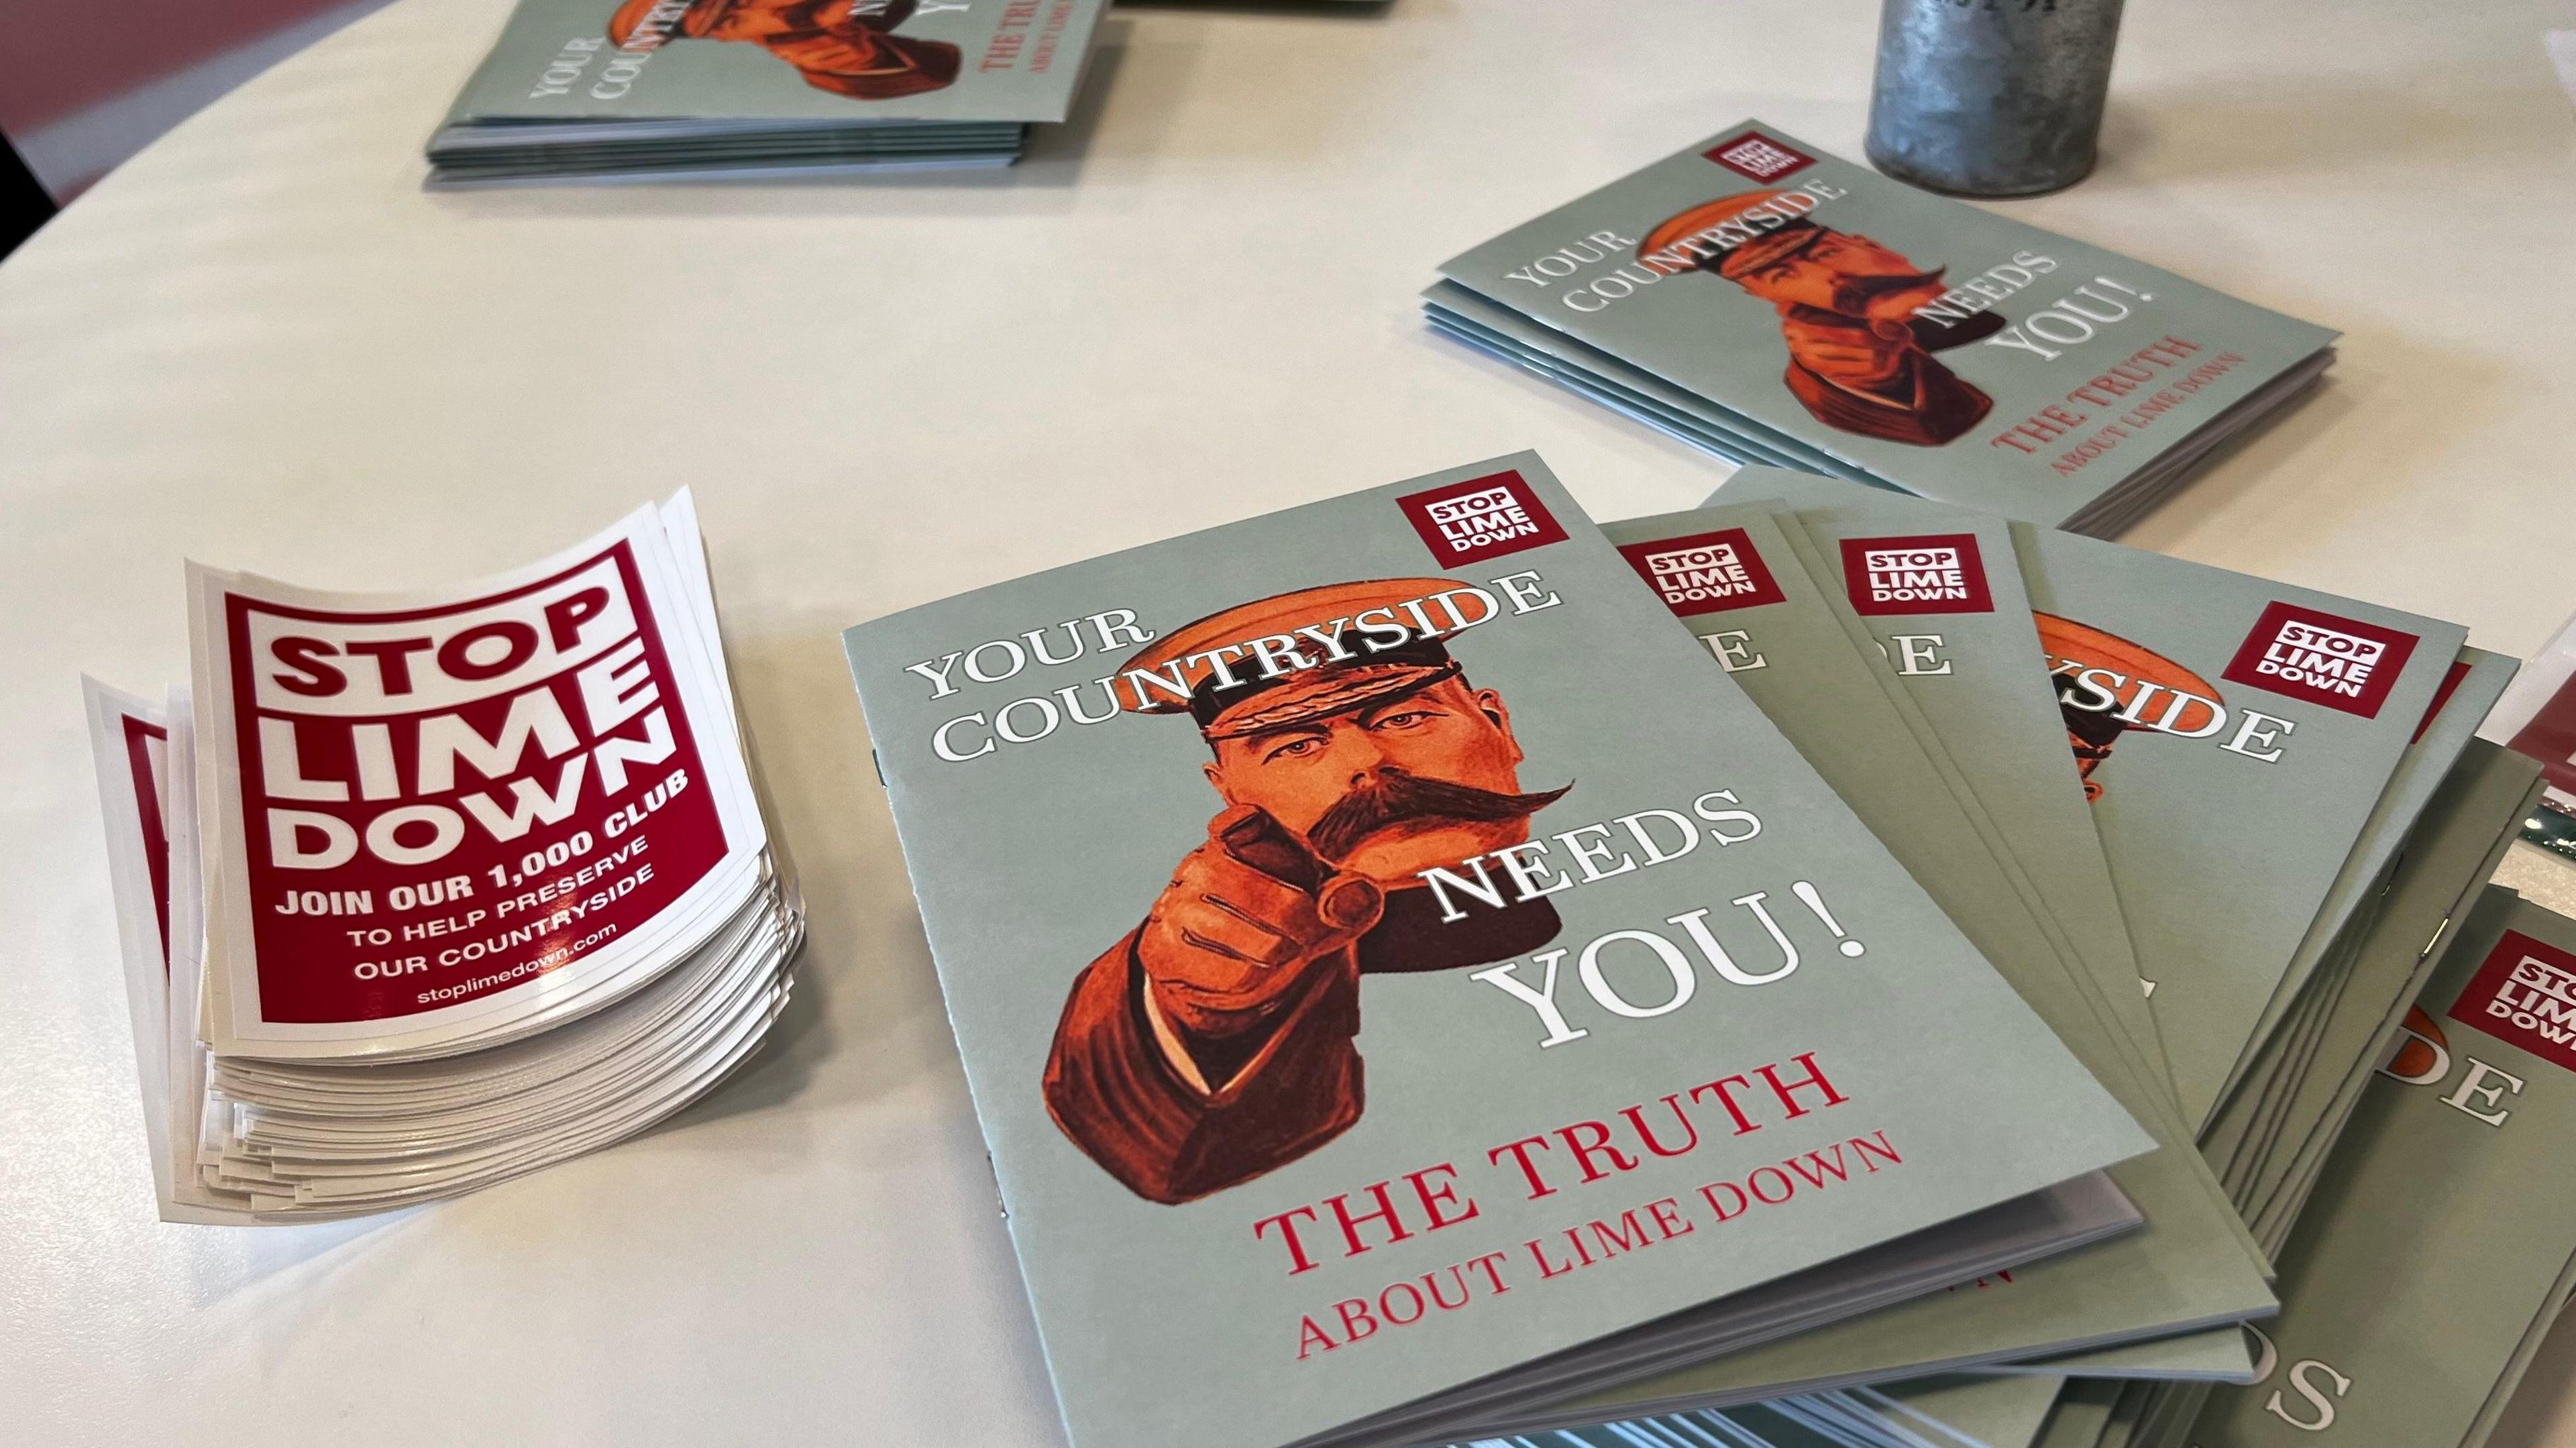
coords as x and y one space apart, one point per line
1852 295
1397 797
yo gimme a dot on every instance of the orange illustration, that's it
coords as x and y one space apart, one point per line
2092 731
1214 1041
1859 360
846 47
2420 1050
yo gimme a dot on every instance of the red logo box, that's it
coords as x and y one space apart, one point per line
2340 663
2524 995
1926 573
1705 572
1757 157
1488 517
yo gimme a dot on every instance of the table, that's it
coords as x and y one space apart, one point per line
263 345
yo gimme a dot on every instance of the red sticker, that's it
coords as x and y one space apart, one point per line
2341 663
1928 573
446 802
1488 517
1757 157
147 749
2524 995
1705 572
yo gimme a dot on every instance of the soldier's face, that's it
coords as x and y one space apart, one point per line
1448 733
1846 273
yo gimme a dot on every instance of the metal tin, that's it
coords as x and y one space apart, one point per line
1991 97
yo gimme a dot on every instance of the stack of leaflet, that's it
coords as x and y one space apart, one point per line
2287 814
644 90
2455 1167
421 891
1772 304
2201 825
1404 979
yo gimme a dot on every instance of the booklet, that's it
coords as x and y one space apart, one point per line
1366 1073
2235 735
653 89
1964 665
2442 870
1780 305
420 891
2454 1170
1759 607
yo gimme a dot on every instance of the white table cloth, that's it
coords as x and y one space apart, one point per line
262 344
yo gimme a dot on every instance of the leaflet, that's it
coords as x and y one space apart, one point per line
1464 904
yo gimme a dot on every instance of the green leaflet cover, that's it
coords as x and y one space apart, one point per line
1736 579
1384 952
2439 1242
1969 663
2235 735
1934 344
783 60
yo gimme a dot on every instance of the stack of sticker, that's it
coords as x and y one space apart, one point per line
420 891
596 90
2274 812
1761 299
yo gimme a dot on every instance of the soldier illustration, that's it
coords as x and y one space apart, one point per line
1214 1041
1859 360
847 47
2092 731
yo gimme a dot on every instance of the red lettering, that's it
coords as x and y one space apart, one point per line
1310 1337
1288 1230
312 678
393 664
1743 1123
1434 1199
1668 1216
1637 1118
1493 1274
1520 1154
518 645
1599 1145
566 615
1788 1188
1386 1305
1395 1230
1815 1077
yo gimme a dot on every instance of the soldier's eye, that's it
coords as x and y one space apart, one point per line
1405 720
1293 749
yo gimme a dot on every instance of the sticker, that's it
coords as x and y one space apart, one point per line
1705 572
1488 517
1756 157
2524 995
2341 663
1932 573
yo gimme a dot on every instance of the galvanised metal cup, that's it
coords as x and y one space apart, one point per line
1991 97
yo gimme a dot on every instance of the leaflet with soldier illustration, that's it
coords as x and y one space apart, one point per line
1802 310
1964 657
2454 1168
2234 735
1386 953
667 87
1738 578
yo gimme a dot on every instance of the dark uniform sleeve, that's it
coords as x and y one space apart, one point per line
1111 1089
1925 404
